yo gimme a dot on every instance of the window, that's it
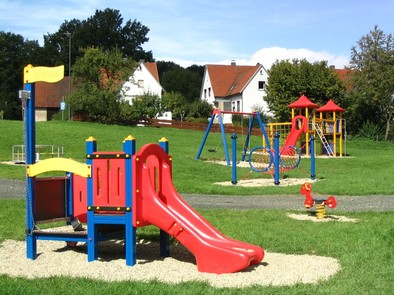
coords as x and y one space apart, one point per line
261 85
238 106
209 92
205 93
227 106
140 83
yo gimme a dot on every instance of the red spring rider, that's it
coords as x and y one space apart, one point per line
320 204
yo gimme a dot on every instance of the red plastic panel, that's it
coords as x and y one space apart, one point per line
109 182
100 182
79 197
50 198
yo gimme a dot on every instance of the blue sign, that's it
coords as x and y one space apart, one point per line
62 105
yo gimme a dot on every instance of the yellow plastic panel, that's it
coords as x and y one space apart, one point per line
58 164
43 74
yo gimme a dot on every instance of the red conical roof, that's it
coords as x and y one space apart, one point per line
330 106
303 102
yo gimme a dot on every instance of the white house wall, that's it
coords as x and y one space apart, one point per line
206 92
253 96
134 87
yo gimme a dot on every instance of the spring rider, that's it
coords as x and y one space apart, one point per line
320 204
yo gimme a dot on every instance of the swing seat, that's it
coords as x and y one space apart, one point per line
212 151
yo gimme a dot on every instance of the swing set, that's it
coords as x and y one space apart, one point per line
218 114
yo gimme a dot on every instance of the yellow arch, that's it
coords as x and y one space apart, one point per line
58 164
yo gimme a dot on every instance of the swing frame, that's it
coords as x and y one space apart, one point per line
218 113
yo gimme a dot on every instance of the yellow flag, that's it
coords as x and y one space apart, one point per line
42 74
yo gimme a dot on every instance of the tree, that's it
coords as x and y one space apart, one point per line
103 30
176 103
289 79
147 105
200 109
372 60
15 54
175 78
99 76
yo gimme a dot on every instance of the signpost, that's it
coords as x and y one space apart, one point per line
62 107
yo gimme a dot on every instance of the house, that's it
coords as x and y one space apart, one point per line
48 98
235 88
145 79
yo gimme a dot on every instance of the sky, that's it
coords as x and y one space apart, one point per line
220 31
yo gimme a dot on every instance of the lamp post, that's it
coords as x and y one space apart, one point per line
69 35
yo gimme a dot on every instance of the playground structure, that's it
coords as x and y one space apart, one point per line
325 123
114 193
217 114
262 158
320 204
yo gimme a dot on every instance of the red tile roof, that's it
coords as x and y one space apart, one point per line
228 80
330 106
152 68
344 75
303 102
49 95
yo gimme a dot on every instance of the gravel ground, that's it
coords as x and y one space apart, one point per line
56 259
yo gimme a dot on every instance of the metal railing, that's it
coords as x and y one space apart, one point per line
43 151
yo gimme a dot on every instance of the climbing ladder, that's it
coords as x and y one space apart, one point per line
324 141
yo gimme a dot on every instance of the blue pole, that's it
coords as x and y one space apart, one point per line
205 136
276 158
130 230
223 132
247 137
164 237
262 128
234 153
313 164
30 132
92 243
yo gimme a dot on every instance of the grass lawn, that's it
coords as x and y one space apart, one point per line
368 170
364 249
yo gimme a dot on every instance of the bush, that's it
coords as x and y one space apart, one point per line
371 131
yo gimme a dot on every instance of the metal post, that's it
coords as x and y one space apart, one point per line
205 136
164 237
223 132
313 165
69 74
276 158
262 128
30 134
234 162
91 147
130 230
247 137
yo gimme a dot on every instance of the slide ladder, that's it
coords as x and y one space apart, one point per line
324 141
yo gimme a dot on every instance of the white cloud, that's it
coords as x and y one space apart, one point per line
267 56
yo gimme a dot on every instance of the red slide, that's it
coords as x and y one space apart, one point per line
156 202
299 125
